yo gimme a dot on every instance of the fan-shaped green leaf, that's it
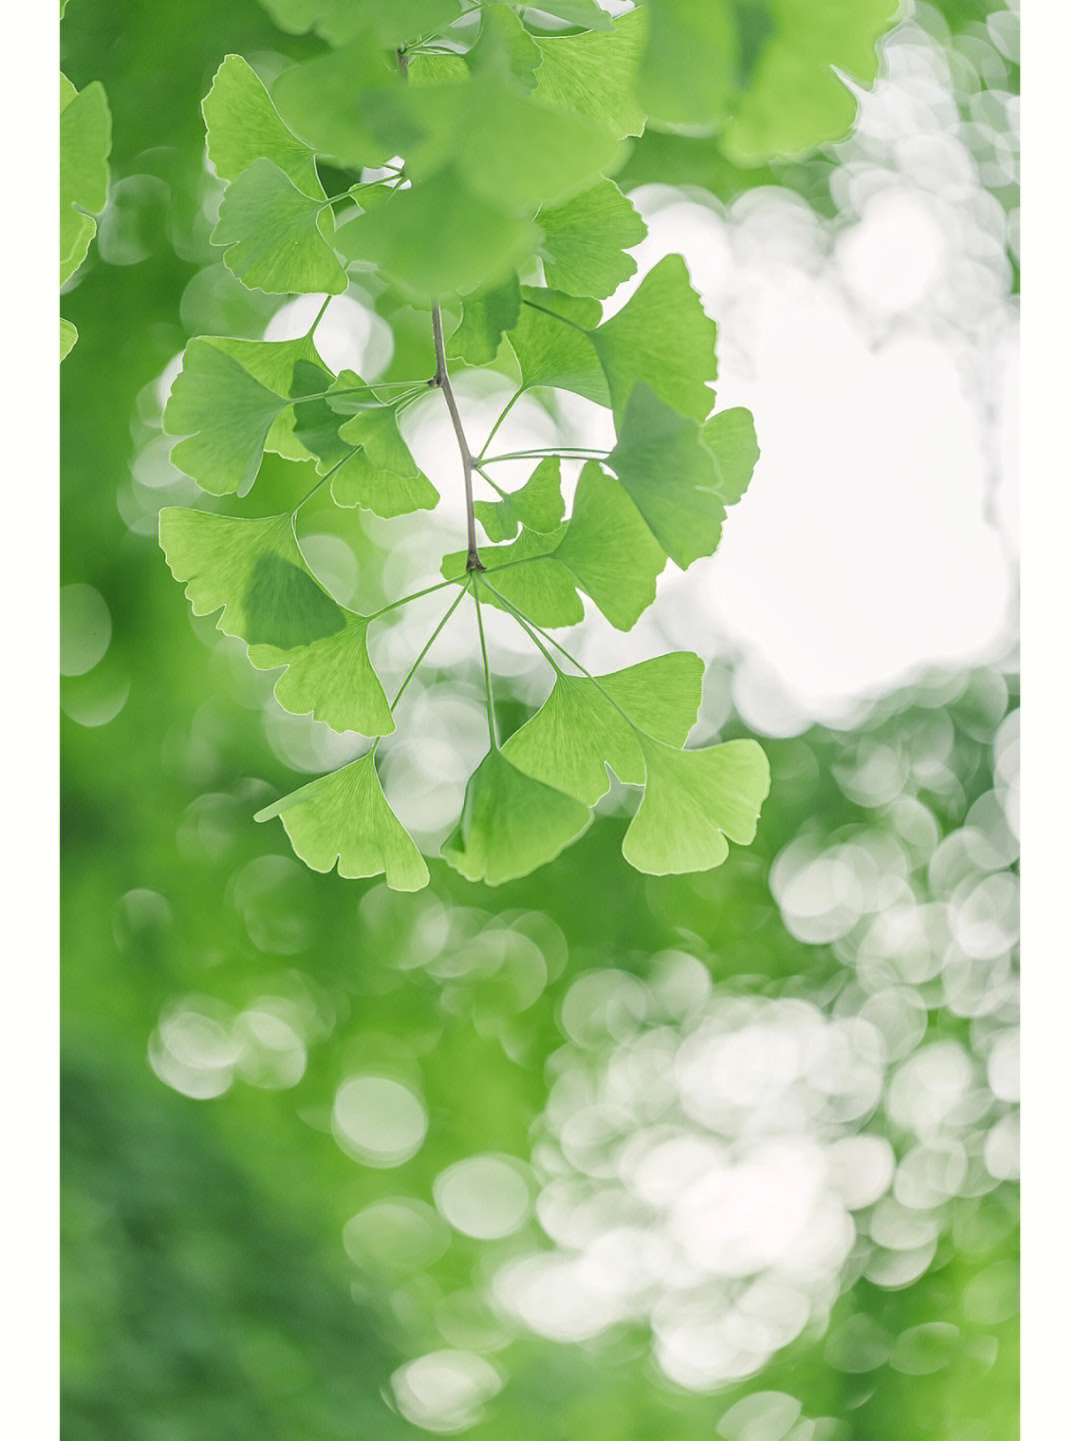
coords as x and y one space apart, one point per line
689 61
585 241
528 576
553 343
331 679
609 550
242 125
730 437
477 242
253 571
593 74
382 477
793 99
662 336
85 141
325 101
586 725
272 235
692 801
344 819
68 336
511 824
538 505
505 46
225 413
670 476
486 316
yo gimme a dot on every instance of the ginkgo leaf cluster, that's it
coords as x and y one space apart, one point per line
481 154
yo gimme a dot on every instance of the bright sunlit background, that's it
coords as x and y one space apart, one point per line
595 1155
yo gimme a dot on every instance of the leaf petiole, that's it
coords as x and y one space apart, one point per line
487 670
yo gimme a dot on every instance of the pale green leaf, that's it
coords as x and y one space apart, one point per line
344 819
289 368
437 239
585 241
538 505
586 725
553 343
609 550
383 477
662 336
85 141
273 238
730 437
527 576
793 99
513 152
584 13
592 74
693 801
253 571
331 679
242 125
690 61
226 415
325 101
511 824
68 336
486 316
670 476
505 46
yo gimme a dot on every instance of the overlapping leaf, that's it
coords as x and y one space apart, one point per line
344 819
85 141
537 506
271 233
243 125
585 241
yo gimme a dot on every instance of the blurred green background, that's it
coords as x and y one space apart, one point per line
821 1033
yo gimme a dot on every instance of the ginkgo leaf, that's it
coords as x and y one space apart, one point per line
383 477
662 336
553 343
592 74
344 819
695 801
226 415
331 679
670 476
527 576
68 336
242 125
253 571
486 316
272 233
477 242
85 141
325 101
511 151
805 44
584 13
505 46
586 725
730 437
511 824
290 368
690 61
538 505
609 549
585 241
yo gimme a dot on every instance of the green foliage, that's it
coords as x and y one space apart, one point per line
474 145
85 142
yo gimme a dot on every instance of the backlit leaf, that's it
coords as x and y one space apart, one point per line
586 725
243 125
592 74
730 436
528 577
690 61
553 344
382 477
331 679
272 235
325 101
538 505
585 241
486 316
609 550
662 336
85 141
343 819
670 476
695 801
511 824
68 336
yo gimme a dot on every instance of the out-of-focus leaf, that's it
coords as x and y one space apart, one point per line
85 141
485 318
